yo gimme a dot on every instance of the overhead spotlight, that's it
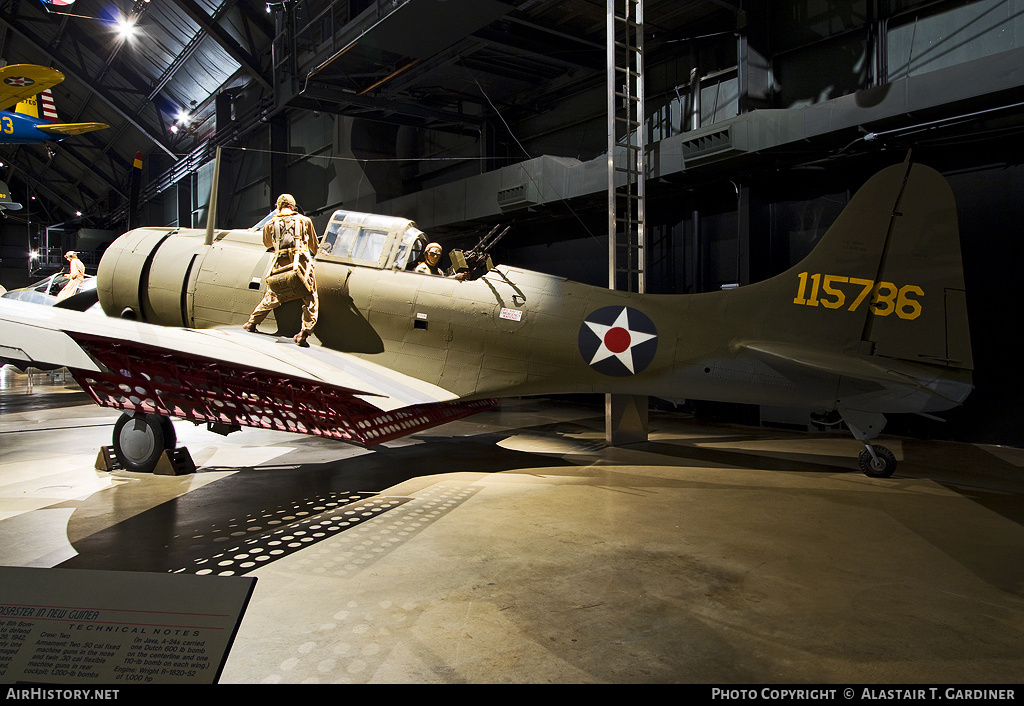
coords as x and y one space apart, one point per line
125 28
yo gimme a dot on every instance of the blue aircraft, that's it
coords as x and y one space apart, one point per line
26 89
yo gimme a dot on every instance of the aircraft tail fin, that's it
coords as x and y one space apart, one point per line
886 279
39 106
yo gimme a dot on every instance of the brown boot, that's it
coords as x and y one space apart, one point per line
300 338
249 326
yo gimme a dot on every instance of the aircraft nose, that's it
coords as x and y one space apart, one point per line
142 275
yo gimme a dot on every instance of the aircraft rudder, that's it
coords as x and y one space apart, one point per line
919 309
39 106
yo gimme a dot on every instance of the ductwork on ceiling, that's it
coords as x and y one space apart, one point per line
980 85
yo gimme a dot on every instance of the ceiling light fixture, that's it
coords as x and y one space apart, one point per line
125 28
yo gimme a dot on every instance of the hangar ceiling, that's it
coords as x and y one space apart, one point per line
438 64
181 54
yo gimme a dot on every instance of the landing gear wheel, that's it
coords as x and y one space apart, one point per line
881 467
139 439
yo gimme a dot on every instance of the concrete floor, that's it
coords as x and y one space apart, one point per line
515 547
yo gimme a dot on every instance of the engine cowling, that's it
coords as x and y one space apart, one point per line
145 273
172 277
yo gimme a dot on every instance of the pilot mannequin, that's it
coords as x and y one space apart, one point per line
430 264
75 277
288 230
431 257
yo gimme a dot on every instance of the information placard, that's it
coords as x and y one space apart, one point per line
69 626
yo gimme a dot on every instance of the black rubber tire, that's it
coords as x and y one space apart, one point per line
140 439
884 467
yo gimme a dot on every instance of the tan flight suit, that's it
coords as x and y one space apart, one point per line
75 277
288 229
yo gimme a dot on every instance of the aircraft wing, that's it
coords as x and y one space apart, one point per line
70 128
885 372
224 376
21 81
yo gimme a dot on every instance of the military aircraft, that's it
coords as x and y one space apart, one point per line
872 322
26 88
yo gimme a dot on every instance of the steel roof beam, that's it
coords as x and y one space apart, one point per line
209 25
68 69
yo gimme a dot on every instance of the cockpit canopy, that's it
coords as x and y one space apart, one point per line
372 240
369 240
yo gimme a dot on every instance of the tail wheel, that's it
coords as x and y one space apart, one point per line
140 439
880 465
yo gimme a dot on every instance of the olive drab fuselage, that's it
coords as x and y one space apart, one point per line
873 319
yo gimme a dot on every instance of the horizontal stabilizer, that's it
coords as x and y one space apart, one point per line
873 369
71 128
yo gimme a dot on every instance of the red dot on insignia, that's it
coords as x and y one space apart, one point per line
617 340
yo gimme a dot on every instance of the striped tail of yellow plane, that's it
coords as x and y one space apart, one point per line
42 107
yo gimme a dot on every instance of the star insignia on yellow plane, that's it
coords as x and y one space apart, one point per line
618 340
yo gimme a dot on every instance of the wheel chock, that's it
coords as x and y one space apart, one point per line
183 460
176 462
172 462
106 460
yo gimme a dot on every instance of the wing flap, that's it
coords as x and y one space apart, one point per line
139 378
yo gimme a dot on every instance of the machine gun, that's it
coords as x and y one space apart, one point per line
471 261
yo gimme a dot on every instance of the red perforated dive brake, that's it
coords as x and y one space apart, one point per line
156 380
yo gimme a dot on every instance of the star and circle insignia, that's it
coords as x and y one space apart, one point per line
618 340
18 81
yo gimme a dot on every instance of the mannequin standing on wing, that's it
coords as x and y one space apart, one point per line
287 232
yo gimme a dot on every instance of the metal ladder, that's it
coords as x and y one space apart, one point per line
627 142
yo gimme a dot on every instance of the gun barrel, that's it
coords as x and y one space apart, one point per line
490 240
479 247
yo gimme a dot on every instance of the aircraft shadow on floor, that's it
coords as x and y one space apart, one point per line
269 511
191 532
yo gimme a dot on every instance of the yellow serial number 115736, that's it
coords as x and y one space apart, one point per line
886 298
